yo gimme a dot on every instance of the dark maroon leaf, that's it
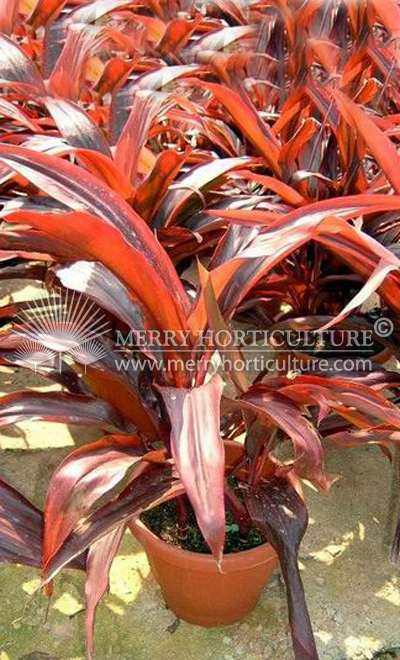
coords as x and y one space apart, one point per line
88 478
343 396
377 378
187 194
356 438
53 42
234 240
153 80
76 126
394 555
288 416
21 528
59 407
281 515
149 488
98 564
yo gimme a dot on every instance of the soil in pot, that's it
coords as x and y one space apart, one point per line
162 521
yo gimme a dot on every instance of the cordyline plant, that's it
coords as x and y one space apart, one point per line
137 135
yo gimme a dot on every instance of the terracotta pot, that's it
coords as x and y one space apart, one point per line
192 586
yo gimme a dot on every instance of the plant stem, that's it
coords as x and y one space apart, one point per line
238 511
182 516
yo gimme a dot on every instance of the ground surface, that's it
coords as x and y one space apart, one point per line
353 591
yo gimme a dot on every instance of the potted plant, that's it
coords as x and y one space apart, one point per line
102 487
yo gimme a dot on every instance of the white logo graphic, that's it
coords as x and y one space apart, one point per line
61 323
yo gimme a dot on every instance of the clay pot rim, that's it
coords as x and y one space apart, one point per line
235 561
